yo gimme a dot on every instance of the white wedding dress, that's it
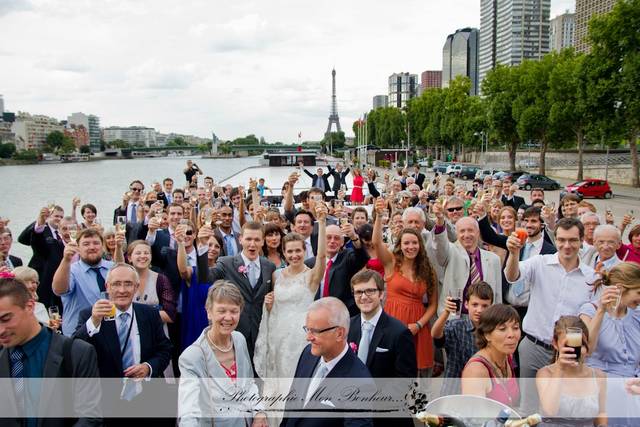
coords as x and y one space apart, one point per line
281 338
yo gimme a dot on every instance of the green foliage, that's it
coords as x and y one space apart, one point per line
177 142
7 150
247 140
333 140
119 143
85 149
55 140
26 155
67 147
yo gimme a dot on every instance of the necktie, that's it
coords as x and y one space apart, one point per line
325 283
365 340
133 218
526 251
228 244
316 380
123 335
99 278
474 273
17 373
253 279
58 238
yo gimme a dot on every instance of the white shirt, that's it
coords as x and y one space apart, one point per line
255 266
608 264
554 293
373 320
308 249
132 205
536 247
134 336
332 364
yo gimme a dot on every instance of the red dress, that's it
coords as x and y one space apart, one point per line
356 193
404 302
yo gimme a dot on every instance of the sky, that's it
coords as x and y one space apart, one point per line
231 67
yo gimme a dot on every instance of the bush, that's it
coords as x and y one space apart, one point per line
7 150
26 155
385 164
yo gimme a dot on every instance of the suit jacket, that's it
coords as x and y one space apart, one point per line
85 396
339 178
348 367
17 262
515 202
223 249
155 347
420 177
315 180
227 268
167 262
348 262
454 258
205 389
392 354
47 254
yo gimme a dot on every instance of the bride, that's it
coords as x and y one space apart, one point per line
281 338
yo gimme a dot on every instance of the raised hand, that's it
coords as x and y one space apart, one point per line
70 250
268 300
514 244
43 215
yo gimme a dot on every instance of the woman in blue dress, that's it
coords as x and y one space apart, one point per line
613 319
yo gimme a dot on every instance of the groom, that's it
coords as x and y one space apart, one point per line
251 273
326 369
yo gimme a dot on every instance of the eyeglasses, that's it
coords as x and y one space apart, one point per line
316 332
123 285
368 292
454 208
136 189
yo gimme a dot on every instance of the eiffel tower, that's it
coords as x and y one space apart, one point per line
333 116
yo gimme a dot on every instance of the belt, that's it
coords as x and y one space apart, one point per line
541 343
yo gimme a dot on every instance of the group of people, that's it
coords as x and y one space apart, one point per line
221 290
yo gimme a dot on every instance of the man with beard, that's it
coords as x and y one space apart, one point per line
80 283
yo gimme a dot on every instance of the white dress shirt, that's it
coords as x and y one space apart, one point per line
536 247
255 267
554 292
373 320
308 249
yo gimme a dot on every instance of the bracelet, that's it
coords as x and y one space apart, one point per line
419 324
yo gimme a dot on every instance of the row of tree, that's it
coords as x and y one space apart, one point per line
564 99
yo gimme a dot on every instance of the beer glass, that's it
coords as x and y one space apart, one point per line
456 297
574 340
112 313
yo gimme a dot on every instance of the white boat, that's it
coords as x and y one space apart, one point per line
74 157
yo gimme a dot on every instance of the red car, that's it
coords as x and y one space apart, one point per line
590 188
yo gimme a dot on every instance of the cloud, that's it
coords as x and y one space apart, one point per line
247 33
71 64
10 6
157 75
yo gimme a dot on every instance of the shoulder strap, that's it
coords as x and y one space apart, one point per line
67 361
486 364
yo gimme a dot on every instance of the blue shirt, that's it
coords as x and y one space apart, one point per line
35 350
460 344
83 292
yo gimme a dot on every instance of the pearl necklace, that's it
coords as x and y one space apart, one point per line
222 350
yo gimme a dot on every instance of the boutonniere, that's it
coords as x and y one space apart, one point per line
354 347
243 269
7 275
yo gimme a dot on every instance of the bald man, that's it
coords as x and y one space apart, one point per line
464 262
342 265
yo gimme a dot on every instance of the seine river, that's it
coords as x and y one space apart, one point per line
27 188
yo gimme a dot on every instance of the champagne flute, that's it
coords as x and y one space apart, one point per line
51 204
54 317
121 223
73 231
208 216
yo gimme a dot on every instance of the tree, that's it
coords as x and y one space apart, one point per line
67 147
501 90
119 143
26 155
55 140
7 150
177 142
615 39
85 149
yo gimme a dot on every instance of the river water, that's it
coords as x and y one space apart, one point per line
25 189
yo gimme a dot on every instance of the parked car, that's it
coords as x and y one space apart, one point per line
424 162
529 181
452 169
589 188
481 173
441 167
512 176
467 172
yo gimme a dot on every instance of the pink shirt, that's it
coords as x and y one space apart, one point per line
629 253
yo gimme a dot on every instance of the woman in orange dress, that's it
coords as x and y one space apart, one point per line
409 276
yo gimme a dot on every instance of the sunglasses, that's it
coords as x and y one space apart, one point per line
136 189
453 209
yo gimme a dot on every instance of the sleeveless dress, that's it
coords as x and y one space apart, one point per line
281 338
404 302
194 314
507 393
576 411
356 193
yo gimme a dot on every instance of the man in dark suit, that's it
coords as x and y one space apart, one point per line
230 242
44 238
387 347
6 240
418 176
319 180
252 274
342 264
323 362
130 344
339 177
30 350
130 202
509 197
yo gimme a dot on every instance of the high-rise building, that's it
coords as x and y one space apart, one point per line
402 87
585 10
135 135
77 133
92 124
460 57
31 131
561 31
1 107
431 79
380 101
512 31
